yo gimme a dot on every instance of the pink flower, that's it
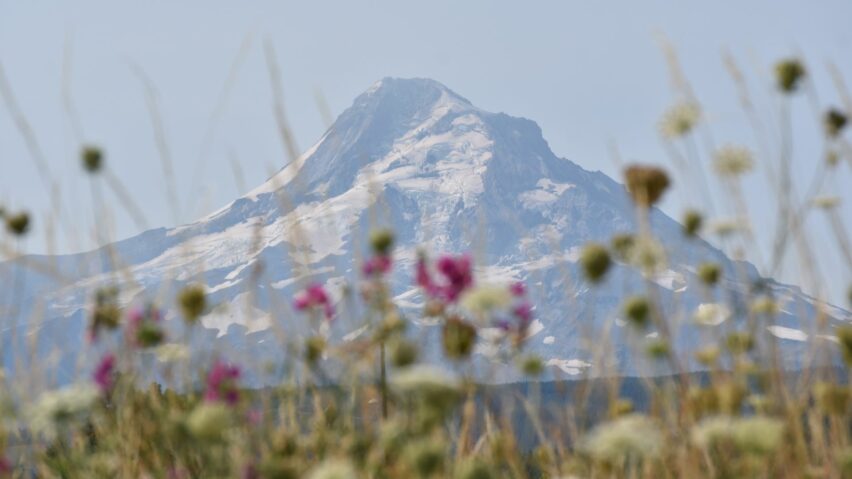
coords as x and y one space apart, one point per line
314 296
379 264
221 383
518 289
5 466
104 375
523 311
456 276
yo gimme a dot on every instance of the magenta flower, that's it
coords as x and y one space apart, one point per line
315 296
518 289
379 264
104 375
222 383
5 466
523 311
456 275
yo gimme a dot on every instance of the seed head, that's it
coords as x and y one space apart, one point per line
92 158
692 221
789 74
679 120
382 241
834 122
193 302
458 338
18 224
638 310
595 262
403 353
733 161
646 184
709 273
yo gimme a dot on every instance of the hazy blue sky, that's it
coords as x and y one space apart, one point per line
586 71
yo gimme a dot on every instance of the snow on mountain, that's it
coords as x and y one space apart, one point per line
446 175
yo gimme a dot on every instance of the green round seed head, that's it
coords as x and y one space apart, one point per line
638 310
18 224
789 74
382 241
709 273
692 221
834 122
92 158
595 261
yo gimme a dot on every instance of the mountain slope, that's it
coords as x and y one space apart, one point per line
411 154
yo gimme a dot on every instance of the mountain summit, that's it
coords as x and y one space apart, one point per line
446 176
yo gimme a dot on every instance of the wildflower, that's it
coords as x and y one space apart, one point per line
403 353
333 469
92 158
595 261
834 121
739 342
844 337
646 184
764 305
426 381
104 375
143 327
486 299
679 120
382 241
172 352
209 420
620 407
826 202
532 366
518 289
622 245
707 356
726 227
379 264
648 255
56 408
106 313
193 302
758 435
315 296
6 467
657 348
733 161
711 314
692 221
314 349
18 224
456 273
638 310
523 311
709 273
789 73
626 439
221 383
458 338
832 158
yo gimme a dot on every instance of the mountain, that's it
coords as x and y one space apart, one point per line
445 175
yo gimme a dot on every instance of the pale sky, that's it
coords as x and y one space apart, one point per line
588 72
